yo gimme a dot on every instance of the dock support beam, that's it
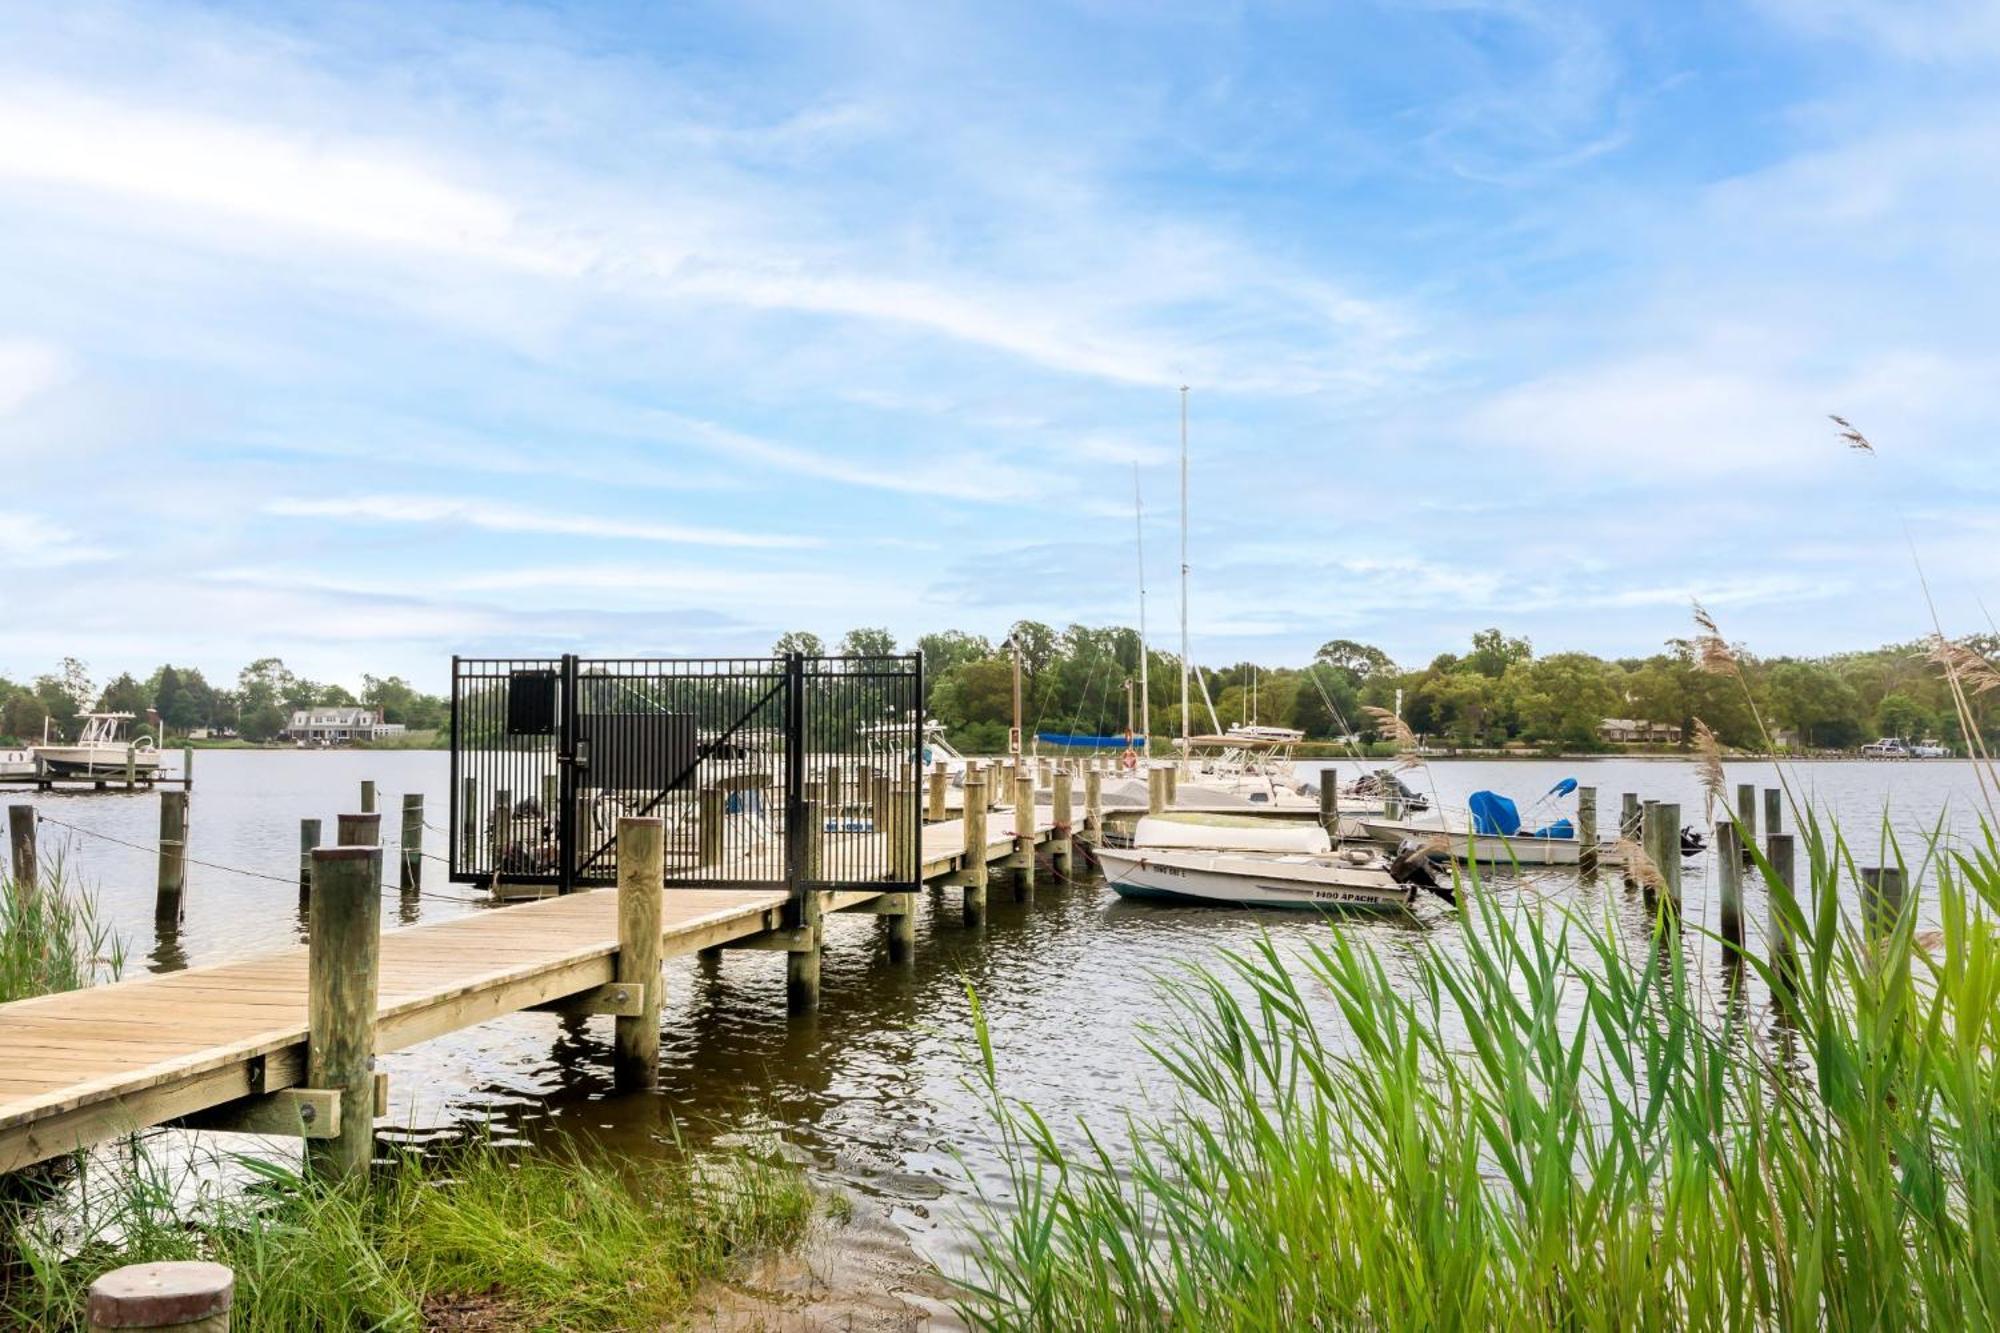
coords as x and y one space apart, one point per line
974 861
21 842
642 850
1063 851
172 878
1023 860
343 960
938 780
411 876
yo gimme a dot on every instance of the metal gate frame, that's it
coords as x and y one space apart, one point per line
822 714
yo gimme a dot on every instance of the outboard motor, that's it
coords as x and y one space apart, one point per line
1692 842
1416 865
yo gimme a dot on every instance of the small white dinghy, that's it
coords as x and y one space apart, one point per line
1334 881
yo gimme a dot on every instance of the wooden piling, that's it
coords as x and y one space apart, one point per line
1778 850
974 865
131 767
1063 852
21 844
714 811
1774 809
1629 815
1093 805
899 910
343 959
1882 892
308 843
1173 783
357 830
940 779
187 768
410 875
642 850
368 796
1746 818
503 827
1156 790
1586 833
1024 836
1329 802
1729 886
802 962
1667 819
172 876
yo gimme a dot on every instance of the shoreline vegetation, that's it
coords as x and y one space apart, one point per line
1496 699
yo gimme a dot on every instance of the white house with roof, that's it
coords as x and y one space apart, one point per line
339 724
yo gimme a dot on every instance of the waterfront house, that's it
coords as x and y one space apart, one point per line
337 724
1628 731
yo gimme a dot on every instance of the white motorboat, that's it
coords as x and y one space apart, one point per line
1187 831
102 746
1332 882
1485 848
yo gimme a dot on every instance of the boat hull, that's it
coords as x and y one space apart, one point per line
1224 880
73 760
1484 848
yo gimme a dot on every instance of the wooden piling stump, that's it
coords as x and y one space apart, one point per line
1746 819
343 961
179 1296
1779 851
308 841
1729 885
172 876
642 849
1586 833
1629 818
1024 837
1063 852
411 853
1093 805
357 830
1156 790
1774 809
940 779
21 844
368 796
1667 820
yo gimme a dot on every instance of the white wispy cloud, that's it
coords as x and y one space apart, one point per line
30 541
28 368
496 517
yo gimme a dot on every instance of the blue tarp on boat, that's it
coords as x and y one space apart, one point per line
1494 813
1080 742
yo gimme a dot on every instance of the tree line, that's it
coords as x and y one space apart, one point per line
1495 693
257 707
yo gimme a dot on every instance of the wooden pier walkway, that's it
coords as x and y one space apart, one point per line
225 1045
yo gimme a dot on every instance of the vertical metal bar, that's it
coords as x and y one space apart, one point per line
795 843
456 837
567 869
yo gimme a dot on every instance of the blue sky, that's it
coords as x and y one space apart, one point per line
366 334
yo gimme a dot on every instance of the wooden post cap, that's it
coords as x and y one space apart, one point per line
160 1295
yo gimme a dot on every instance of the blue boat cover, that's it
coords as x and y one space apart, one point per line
1563 788
1080 742
1494 813
1562 828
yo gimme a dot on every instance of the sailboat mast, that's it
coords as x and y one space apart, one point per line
1184 575
1145 692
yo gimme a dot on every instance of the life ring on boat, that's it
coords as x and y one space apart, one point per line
1128 761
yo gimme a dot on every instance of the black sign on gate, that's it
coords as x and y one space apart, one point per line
768 772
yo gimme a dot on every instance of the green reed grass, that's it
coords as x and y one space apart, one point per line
479 1236
1551 1123
51 937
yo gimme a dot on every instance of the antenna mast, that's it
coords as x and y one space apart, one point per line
1145 690
1184 576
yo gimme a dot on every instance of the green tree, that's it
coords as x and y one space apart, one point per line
21 716
125 695
1493 653
1562 698
1900 715
865 642
801 641
1357 661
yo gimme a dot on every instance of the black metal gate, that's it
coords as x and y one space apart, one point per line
779 772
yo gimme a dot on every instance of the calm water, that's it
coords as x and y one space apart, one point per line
871 1086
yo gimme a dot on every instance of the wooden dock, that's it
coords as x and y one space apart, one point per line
225 1046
